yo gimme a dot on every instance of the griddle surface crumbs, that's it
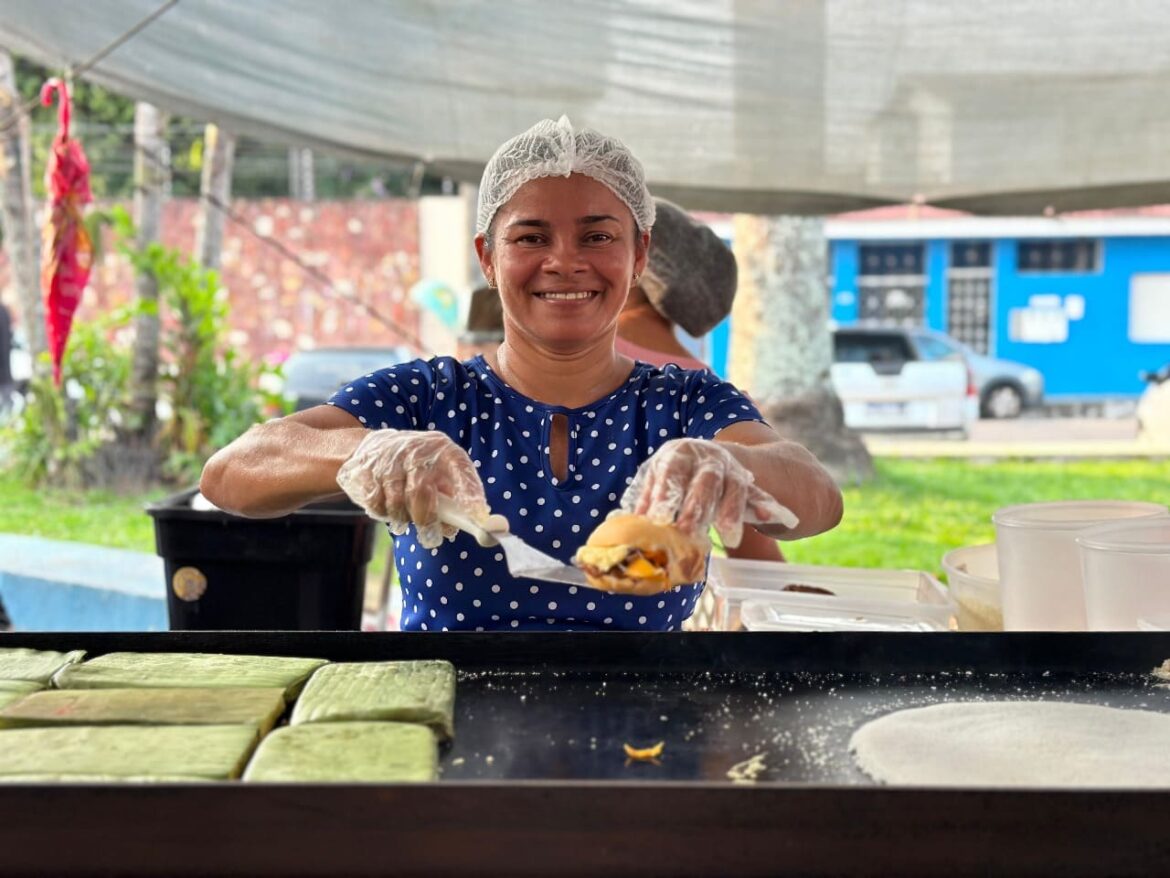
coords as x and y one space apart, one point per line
747 771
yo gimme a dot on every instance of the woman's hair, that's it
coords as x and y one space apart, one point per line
554 149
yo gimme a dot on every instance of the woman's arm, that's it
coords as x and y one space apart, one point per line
754 546
788 472
279 466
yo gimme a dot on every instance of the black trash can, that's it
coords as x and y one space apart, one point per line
302 572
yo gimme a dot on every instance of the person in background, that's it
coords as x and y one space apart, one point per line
690 280
555 429
485 325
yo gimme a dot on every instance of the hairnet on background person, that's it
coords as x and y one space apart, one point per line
554 149
691 275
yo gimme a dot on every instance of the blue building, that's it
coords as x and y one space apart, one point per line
1085 300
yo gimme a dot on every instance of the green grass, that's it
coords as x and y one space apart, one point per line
906 518
916 510
99 517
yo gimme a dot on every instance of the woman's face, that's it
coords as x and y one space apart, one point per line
563 254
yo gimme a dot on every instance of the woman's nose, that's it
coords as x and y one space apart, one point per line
564 257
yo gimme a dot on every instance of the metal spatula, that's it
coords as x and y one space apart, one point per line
522 559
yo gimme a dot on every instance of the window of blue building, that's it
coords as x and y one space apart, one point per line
969 277
1061 255
971 254
891 284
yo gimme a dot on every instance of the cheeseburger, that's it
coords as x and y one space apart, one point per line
630 554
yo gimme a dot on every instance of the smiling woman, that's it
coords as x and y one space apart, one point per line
554 429
565 255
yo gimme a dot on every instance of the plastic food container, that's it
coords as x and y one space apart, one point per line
751 595
1126 569
973 580
1040 563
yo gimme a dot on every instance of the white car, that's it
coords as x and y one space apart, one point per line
883 384
1153 409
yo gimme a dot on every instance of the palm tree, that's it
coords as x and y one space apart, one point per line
781 348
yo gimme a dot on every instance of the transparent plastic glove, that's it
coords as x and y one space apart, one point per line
695 483
396 476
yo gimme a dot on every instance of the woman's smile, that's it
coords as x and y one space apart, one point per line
567 296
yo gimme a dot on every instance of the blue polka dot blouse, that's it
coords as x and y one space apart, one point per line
462 586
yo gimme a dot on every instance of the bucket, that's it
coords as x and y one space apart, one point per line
1040 563
305 571
1126 570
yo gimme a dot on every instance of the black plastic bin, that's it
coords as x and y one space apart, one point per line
302 572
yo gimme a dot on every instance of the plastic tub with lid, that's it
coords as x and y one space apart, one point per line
791 597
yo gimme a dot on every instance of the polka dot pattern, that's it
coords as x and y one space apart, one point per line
462 586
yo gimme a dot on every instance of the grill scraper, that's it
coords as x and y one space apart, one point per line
523 560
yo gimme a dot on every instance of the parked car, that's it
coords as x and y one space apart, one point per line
1002 388
1005 387
311 376
1153 409
885 383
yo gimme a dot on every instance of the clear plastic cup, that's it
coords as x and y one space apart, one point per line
1126 568
1040 562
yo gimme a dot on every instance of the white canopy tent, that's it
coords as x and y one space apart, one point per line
805 106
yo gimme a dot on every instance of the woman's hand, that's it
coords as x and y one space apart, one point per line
397 475
695 483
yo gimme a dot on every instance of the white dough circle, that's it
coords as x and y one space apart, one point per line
1016 743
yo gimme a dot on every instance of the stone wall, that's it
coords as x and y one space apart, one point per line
367 250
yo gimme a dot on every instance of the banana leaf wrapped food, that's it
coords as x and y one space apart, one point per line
34 665
260 708
12 691
346 752
163 670
399 691
213 752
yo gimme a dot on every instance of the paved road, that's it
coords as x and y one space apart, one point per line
1055 430
1024 437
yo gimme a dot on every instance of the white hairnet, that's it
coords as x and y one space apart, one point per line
691 276
554 149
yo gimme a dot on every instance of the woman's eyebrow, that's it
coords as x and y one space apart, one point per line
538 223
545 224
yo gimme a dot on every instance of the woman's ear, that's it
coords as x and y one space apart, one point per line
641 252
484 255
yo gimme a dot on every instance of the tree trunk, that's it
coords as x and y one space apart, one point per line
17 216
151 176
215 190
781 348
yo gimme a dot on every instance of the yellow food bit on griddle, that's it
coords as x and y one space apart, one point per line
646 754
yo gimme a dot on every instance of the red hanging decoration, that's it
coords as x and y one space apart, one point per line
67 251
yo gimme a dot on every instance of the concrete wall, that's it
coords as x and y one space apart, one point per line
52 585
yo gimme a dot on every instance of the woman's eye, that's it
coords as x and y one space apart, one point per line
530 239
598 237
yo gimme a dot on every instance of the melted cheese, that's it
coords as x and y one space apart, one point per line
602 557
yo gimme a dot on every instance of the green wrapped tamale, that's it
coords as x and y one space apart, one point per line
175 707
162 670
12 691
406 691
97 779
349 752
34 665
210 752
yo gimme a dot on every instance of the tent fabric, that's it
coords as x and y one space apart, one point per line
809 106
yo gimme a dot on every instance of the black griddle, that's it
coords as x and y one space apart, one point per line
536 781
